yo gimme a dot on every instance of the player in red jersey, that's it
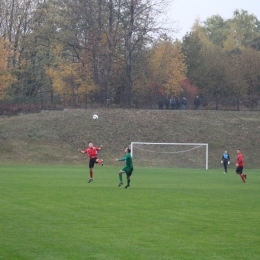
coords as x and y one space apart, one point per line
92 153
240 165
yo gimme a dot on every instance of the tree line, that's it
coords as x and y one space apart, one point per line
121 50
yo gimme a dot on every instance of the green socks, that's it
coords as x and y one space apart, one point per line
120 178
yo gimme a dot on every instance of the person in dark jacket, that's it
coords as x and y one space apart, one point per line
196 103
167 103
160 104
225 160
184 104
173 103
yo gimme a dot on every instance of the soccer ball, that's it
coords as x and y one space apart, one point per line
95 117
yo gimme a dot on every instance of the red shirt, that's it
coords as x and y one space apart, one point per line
240 161
92 152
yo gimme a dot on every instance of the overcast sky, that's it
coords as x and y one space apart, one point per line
185 12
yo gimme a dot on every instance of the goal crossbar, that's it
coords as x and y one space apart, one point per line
180 144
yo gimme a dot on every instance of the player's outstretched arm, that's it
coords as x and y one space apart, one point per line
80 151
121 159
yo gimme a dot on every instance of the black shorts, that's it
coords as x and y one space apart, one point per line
239 169
225 161
92 162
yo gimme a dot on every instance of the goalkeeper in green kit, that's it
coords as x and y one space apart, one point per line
128 169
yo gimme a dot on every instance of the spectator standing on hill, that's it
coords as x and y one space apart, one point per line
92 153
160 104
225 160
173 103
196 103
167 103
128 169
240 165
184 103
178 102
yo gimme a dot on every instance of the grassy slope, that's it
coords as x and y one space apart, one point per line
52 137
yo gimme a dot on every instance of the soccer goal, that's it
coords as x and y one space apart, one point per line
174 155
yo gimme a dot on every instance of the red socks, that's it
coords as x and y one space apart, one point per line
243 177
91 174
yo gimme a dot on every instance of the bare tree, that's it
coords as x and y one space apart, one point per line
139 24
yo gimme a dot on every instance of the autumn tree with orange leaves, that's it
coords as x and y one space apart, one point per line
5 76
70 79
223 57
164 71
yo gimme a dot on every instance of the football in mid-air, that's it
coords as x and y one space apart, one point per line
95 117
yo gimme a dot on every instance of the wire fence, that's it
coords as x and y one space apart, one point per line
48 101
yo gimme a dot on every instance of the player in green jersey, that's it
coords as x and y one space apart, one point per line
128 169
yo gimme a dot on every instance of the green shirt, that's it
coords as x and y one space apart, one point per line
128 159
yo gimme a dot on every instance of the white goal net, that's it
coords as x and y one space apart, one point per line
170 155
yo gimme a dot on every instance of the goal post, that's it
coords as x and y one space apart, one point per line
179 155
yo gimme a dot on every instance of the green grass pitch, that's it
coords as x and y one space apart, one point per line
51 212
